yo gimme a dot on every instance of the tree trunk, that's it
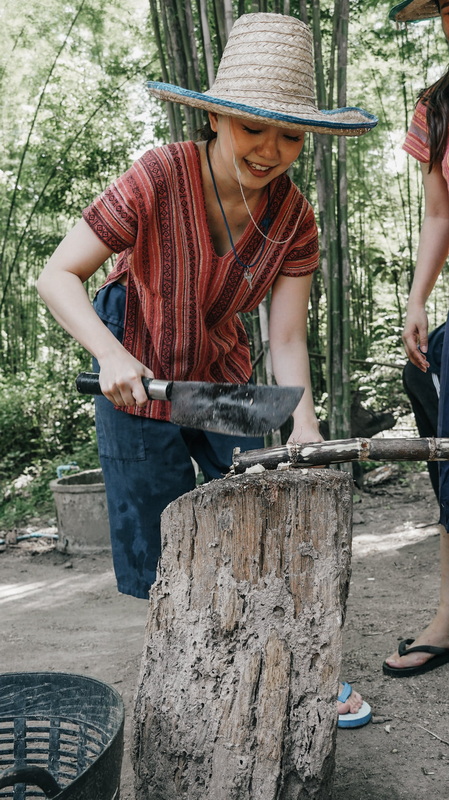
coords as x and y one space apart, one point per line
239 676
208 54
343 428
154 12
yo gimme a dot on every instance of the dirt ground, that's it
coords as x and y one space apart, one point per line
63 613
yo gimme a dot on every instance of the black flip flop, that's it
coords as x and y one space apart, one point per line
440 657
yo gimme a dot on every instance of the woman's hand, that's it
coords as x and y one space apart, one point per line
305 432
433 250
415 336
121 379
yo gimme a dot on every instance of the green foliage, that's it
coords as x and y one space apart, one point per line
28 497
74 109
42 417
45 423
75 114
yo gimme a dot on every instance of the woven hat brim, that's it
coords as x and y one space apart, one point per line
341 121
414 11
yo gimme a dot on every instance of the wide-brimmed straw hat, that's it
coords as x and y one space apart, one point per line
266 74
414 10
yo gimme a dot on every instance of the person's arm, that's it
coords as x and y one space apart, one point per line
60 285
433 250
288 346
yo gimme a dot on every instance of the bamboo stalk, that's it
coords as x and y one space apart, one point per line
340 451
207 45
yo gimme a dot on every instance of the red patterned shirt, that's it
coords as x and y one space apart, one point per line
417 140
183 300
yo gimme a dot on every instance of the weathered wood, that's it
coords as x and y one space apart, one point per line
342 451
237 691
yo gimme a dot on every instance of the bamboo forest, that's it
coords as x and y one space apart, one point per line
76 114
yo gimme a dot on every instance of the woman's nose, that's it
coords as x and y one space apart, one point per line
268 146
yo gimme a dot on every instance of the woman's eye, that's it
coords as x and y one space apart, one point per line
250 130
293 138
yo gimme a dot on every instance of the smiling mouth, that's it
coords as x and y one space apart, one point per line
259 167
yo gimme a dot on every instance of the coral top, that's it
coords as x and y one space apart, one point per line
183 300
417 140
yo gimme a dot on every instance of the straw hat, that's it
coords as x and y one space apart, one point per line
266 73
414 10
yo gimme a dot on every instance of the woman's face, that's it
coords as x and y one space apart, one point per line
260 152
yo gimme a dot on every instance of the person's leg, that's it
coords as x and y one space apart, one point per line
436 634
213 451
145 466
422 393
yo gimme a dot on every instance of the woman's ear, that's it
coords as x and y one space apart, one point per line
213 120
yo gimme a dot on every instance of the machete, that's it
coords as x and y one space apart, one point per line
240 409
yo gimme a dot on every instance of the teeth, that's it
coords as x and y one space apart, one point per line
257 166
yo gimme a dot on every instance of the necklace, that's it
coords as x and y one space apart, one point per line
238 173
265 224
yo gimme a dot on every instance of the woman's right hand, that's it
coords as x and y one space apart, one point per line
415 336
121 379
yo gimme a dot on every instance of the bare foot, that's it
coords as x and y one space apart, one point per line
436 634
352 704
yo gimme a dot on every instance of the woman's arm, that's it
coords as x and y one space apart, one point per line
433 250
288 346
60 285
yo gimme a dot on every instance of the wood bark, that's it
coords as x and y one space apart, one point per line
341 451
236 696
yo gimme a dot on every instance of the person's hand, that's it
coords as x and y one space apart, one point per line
305 432
121 380
415 336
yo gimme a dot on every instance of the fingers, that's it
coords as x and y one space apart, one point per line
305 434
126 389
415 338
127 394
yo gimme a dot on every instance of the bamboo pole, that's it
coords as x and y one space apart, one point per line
341 451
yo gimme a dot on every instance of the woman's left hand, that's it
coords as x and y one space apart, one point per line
305 433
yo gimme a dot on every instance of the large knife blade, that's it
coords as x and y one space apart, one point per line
240 409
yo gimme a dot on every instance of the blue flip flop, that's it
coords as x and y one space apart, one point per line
362 716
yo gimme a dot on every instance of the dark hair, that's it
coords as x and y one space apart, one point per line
436 100
205 134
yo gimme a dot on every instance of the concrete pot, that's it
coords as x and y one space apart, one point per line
81 511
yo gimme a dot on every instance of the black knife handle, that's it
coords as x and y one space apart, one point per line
89 383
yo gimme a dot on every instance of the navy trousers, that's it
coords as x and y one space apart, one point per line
146 464
443 430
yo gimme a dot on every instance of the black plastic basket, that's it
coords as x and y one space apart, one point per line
61 736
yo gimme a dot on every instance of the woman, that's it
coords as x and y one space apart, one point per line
204 230
427 141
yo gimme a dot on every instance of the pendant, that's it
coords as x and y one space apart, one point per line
249 277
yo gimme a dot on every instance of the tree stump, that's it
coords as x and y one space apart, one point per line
238 685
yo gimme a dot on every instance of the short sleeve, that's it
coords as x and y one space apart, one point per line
303 258
113 215
417 140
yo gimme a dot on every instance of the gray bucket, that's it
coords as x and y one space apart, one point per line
81 511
